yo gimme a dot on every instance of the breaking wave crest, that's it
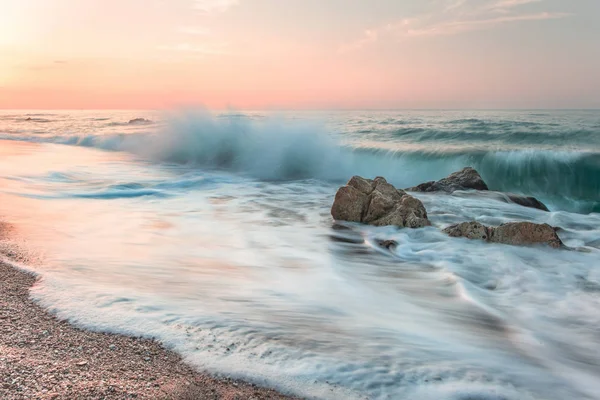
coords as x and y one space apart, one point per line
272 149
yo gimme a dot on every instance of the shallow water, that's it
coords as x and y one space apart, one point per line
213 234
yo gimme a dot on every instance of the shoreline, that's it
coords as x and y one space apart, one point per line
42 357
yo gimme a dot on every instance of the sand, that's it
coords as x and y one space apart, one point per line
42 357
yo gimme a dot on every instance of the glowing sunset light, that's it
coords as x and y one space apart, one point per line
299 54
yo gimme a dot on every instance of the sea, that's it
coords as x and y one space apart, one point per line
212 232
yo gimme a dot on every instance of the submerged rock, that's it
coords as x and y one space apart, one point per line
513 233
387 244
469 179
465 179
376 202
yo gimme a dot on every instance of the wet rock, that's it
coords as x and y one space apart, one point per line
509 198
469 179
387 244
363 185
527 201
524 233
465 179
512 233
388 190
470 230
378 203
349 204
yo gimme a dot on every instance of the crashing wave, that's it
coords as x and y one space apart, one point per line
274 149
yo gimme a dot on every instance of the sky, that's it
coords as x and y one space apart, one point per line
299 54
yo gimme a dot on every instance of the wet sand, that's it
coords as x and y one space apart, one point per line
42 357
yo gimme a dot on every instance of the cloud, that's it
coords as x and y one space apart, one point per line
213 6
506 6
456 27
454 17
513 3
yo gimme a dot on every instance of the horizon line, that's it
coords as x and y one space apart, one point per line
303 109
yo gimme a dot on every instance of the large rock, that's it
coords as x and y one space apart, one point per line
349 204
376 202
513 233
522 233
465 179
469 179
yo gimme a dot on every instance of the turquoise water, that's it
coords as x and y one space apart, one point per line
213 234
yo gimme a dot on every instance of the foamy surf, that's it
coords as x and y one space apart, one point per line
237 266
560 164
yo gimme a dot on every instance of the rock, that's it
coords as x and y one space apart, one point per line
470 230
423 187
469 179
378 203
522 233
409 213
465 179
527 201
513 233
349 204
363 185
509 198
387 189
387 244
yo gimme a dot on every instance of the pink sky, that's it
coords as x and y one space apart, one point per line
256 54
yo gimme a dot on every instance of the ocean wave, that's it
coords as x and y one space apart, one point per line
120 193
500 124
577 137
131 122
282 150
42 120
394 121
26 118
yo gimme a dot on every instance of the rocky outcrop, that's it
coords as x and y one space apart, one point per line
465 179
469 179
513 233
376 202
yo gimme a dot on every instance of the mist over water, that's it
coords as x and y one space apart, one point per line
213 234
